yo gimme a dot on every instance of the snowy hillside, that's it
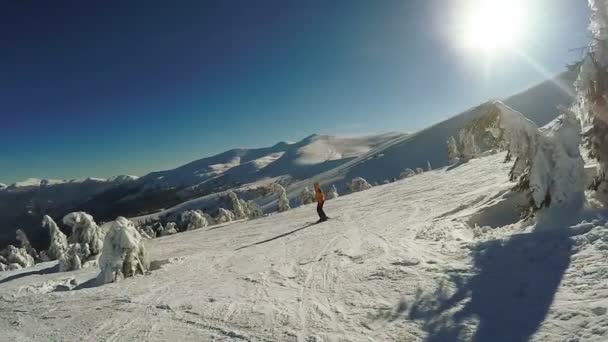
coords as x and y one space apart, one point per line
436 257
312 155
390 159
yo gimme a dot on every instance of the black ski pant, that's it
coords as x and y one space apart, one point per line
320 211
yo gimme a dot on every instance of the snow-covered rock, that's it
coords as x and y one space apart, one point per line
59 242
359 184
124 253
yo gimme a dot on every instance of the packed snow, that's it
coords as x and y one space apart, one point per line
442 256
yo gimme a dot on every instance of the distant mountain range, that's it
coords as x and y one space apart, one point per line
328 159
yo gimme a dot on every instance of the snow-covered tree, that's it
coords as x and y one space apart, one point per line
359 184
25 243
59 242
85 231
169 229
19 256
419 170
283 201
428 166
548 165
332 193
453 152
468 146
407 173
124 253
592 93
239 210
307 196
193 219
224 215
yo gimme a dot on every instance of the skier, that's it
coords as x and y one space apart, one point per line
320 201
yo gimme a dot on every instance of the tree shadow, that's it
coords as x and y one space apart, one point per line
48 270
509 295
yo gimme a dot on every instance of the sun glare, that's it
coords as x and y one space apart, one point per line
493 25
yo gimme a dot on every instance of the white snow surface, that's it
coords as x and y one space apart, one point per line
414 260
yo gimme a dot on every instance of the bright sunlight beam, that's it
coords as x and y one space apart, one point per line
490 26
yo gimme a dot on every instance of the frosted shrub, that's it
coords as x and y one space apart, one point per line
19 256
283 201
307 196
407 173
419 170
124 253
59 242
25 243
84 231
170 229
332 193
240 210
453 152
224 215
359 184
254 210
193 219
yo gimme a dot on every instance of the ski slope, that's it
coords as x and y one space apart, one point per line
436 257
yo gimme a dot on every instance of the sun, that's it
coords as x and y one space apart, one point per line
493 25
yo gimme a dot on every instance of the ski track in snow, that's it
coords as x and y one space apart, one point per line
379 270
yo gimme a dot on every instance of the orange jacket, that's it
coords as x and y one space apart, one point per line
319 194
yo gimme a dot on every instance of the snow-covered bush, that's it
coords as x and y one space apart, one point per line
307 196
407 173
254 210
283 201
193 219
25 243
419 170
59 242
19 256
169 229
74 257
85 231
332 193
147 232
124 253
3 267
238 207
359 184
428 166
224 215
453 152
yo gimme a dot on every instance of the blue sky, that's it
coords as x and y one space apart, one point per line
114 87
